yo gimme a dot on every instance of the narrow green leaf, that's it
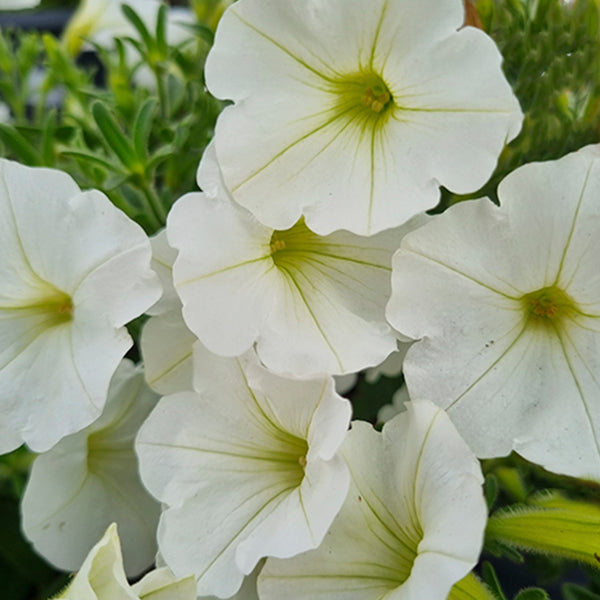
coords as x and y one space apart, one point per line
113 135
532 594
142 126
490 488
491 579
161 31
22 149
159 156
92 158
552 525
139 25
470 588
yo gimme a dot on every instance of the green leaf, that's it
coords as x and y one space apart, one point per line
490 488
491 579
142 126
113 135
532 594
92 158
22 149
139 25
161 31
570 591
159 156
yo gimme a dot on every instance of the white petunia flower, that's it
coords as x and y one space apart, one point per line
247 467
311 304
507 301
73 271
353 113
90 479
101 577
412 524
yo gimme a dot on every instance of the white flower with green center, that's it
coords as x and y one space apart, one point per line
507 303
311 304
73 271
90 479
247 466
101 577
353 113
412 524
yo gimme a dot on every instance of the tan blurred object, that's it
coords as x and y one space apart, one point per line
471 16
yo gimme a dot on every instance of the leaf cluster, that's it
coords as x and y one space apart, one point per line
131 122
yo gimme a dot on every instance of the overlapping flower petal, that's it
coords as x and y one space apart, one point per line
90 479
311 304
412 524
247 467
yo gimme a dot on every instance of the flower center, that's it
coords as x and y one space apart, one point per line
377 99
548 305
51 307
288 246
362 95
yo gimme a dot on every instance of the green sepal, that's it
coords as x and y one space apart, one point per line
532 594
550 524
491 579
470 588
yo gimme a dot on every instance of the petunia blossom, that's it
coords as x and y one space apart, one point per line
354 113
412 524
506 302
311 304
101 577
246 466
73 271
90 479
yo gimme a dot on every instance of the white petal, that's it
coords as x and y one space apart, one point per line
331 163
101 576
412 524
166 345
317 309
161 584
507 383
74 271
228 462
163 257
90 479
